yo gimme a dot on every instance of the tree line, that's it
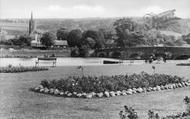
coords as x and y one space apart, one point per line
127 33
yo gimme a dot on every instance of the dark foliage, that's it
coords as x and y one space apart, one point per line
97 38
127 34
62 34
21 41
48 39
129 113
75 38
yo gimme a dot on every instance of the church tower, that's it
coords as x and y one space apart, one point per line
31 25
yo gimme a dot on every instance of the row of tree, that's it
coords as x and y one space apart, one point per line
77 38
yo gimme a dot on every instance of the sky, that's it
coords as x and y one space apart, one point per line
90 8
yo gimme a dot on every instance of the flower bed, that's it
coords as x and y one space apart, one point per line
11 69
109 86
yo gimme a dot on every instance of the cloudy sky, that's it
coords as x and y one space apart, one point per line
90 8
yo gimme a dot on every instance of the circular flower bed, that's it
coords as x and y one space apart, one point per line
11 69
110 86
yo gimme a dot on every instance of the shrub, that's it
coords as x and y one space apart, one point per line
187 102
45 83
129 113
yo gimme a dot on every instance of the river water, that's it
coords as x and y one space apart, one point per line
68 61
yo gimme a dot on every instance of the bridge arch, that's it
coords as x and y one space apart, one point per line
145 52
102 54
135 56
116 54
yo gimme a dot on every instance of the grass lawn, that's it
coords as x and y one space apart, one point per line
18 102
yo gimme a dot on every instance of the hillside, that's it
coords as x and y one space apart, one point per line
14 28
179 26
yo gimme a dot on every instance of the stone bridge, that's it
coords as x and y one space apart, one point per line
175 53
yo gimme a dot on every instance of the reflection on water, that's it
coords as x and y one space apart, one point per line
67 61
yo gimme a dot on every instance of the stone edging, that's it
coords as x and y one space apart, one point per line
56 92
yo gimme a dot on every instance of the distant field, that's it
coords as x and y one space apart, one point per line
12 24
16 101
176 27
14 28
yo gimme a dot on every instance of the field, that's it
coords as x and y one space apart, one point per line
14 28
18 102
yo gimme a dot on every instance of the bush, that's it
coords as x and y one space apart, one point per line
129 113
187 102
45 83
111 83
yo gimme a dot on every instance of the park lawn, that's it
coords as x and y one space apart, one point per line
18 102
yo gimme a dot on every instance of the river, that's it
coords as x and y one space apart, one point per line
68 61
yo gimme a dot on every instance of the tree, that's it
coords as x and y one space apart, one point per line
48 39
91 42
127 33
173 41
96 36
75 52
106 33
62 34
186 38
23 40
134 39
125 23
75 38
152 37
84 50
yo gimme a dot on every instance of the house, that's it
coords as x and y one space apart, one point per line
61 43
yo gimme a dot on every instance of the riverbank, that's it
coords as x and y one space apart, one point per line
32 53
18 102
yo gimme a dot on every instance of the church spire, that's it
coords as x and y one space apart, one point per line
31 24
31 16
